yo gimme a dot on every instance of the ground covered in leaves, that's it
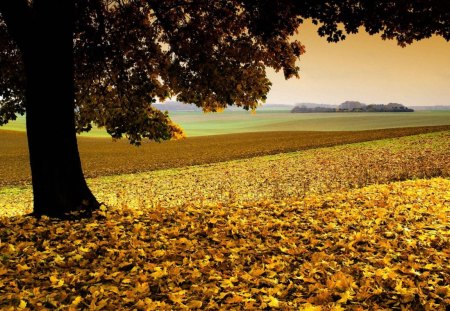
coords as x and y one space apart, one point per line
382 246
327 229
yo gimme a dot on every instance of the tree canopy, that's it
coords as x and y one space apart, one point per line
130 54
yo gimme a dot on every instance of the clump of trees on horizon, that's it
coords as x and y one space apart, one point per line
353 106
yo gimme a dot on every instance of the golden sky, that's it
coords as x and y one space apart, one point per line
367 69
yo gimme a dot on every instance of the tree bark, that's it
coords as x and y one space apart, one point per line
59 186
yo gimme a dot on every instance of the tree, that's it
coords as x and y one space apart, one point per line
71 64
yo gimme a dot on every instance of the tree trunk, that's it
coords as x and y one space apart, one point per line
59 186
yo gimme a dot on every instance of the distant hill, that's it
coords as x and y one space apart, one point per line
314 105
178 106
351 105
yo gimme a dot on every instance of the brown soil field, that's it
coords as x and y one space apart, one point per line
101 156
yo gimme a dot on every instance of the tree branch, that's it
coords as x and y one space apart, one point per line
16 14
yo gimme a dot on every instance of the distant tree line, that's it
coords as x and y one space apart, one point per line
354 106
